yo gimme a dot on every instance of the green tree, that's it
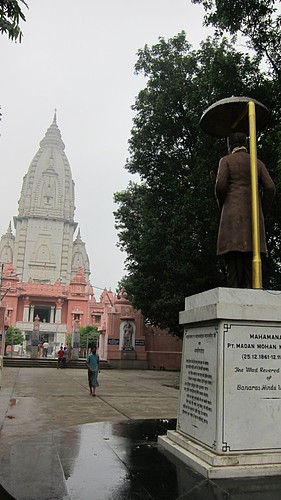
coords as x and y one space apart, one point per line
13 336
10 16
257 20
89 336
168 223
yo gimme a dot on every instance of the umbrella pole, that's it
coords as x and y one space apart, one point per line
256 262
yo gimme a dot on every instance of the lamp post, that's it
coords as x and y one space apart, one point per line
76 339
35 337
241 114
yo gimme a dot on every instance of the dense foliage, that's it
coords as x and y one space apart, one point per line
259 21
10 16
13 336
168 222
89 336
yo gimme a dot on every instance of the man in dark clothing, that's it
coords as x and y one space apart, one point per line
60 357
64 357
233 194
93 361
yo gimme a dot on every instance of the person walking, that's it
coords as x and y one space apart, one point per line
92 362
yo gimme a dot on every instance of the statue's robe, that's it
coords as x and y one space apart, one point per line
233 193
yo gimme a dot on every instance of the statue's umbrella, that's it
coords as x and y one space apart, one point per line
231 115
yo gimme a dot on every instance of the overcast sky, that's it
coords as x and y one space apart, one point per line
79 57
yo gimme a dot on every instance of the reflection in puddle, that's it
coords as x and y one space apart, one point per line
111 457
115 461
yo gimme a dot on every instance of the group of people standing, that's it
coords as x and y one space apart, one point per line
43 349
64 355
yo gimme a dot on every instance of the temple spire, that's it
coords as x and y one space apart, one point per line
9 230
53 136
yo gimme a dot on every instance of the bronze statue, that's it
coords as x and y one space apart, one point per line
233 194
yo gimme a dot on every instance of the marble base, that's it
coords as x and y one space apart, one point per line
230 390
214 466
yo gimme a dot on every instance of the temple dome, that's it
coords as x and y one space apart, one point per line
44 248
48 187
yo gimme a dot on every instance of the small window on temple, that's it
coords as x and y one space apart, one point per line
97 319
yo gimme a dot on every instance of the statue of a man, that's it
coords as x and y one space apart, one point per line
233 194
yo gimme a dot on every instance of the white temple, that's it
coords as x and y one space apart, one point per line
44 247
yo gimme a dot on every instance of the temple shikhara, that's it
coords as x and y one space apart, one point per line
45 271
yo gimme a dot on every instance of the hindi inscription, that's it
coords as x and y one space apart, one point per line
197 404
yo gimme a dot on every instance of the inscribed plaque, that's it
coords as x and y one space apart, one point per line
197 403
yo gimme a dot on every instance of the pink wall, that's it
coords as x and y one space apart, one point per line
161 349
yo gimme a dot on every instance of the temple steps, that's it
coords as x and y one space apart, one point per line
47 363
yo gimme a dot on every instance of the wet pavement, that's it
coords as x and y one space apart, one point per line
57 444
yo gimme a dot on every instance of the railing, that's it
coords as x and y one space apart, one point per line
44 327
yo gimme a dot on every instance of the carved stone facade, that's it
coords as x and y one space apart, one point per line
45 271
44 248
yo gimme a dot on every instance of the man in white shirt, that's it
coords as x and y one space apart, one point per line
45 349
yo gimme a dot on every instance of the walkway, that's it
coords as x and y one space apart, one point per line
34 401
59 443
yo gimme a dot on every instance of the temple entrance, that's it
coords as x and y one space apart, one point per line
44 313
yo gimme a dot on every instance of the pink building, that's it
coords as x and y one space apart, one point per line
45 273
124 339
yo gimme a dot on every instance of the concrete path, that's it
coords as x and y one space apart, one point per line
34 401
46 453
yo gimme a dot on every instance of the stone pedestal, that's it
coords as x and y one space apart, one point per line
76 339
128 354
35 338
229 411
